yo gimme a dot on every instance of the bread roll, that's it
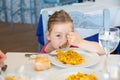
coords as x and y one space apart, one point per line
42 63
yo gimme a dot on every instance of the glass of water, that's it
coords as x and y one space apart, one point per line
108 40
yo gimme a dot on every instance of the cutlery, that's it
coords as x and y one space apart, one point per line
3 68
63 45
29 55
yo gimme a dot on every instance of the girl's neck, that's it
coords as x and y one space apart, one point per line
49 48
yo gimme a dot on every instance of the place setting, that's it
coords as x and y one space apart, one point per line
74 61
73 57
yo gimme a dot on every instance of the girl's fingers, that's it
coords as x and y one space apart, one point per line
70 40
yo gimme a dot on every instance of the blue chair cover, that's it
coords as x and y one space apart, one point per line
39 31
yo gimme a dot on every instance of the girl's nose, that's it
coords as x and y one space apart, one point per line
64 40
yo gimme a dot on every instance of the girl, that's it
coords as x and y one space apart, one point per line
60 32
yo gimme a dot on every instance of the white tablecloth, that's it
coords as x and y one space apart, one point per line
16 60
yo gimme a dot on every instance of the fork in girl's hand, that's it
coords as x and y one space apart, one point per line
64 45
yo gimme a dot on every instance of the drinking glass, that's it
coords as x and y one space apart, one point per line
108 40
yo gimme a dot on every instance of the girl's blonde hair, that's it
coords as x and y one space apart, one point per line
58 17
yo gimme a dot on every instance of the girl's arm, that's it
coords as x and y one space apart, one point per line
74 39
91 46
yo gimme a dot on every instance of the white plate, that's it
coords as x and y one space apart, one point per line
90 59
64 73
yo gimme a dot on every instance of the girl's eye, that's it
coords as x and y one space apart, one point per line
58 35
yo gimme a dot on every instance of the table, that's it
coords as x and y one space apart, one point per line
15 60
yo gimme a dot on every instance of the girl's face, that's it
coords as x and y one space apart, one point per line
58 34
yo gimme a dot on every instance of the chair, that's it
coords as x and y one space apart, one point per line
56 2
22 9
45 18
3 10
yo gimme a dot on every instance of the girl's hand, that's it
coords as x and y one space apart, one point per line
73 39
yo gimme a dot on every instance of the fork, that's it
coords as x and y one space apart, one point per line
63 45
3 68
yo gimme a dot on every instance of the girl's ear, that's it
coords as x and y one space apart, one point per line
48 35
